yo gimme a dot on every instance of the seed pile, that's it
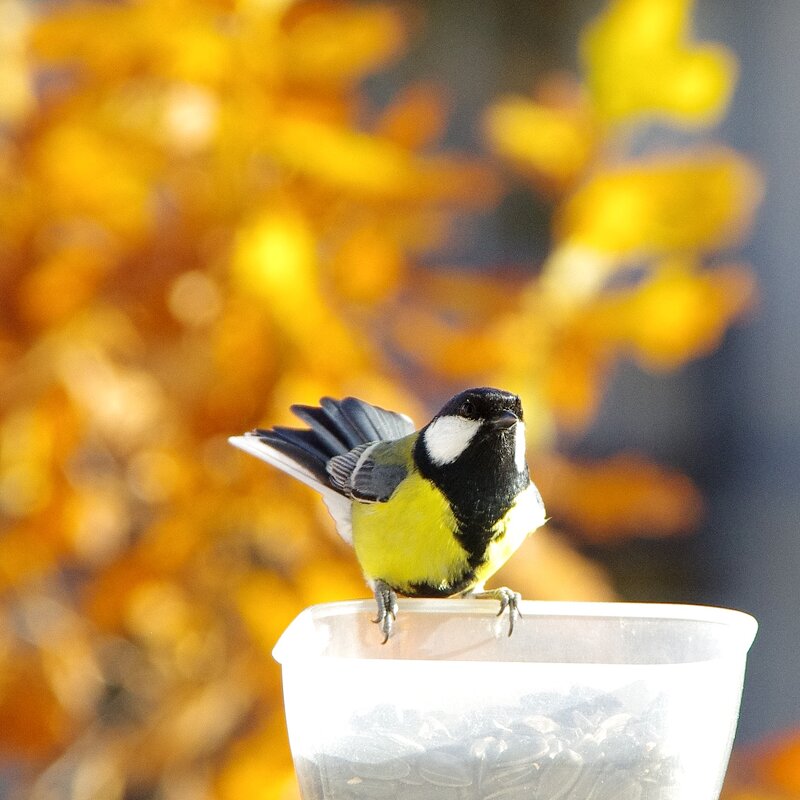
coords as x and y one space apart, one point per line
589 749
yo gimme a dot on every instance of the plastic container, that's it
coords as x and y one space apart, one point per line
586 701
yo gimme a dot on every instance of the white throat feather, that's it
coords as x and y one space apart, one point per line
519 446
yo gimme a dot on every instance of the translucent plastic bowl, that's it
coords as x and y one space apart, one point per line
586 701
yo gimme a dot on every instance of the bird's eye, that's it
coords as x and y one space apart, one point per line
467 408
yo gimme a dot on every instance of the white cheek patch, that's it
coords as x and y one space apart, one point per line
446 438
519 446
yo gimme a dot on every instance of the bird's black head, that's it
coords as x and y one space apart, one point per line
484 405
474 451
475 424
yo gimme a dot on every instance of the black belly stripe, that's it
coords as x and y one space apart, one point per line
466 581
480 487
475 541
475 538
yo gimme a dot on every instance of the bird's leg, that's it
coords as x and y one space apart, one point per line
386 599
508 598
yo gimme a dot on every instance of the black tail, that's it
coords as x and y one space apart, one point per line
334 428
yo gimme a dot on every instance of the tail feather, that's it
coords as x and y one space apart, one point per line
333 410
326 428
304 439
282 458
298 446
376 423
360 419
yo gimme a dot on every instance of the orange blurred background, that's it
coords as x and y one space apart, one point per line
210 210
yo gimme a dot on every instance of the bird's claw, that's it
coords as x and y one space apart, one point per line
386 599
509 599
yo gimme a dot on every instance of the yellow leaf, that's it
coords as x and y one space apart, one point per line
780 766
82 171
17 99
676 314
452 351
343 158
619 497
178 41
639 61
415 118
267 605
700 202
24 556
63 282
275 261
103 39
32 722
275 258
331 43
259 766
573 378
552 142
368 266
372 167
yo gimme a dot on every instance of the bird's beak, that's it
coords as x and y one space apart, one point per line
504 420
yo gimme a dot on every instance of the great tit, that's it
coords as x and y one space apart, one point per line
430 513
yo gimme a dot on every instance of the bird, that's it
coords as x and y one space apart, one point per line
433 512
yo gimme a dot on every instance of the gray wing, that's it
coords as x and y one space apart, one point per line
340 425
359 476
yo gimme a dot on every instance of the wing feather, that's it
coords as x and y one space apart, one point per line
328 432
342 468
359 476
300 446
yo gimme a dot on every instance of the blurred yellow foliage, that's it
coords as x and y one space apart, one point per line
621 496
640 62
563 141
197 228
666 205
768 771
678 312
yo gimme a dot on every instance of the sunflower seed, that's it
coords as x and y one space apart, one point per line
580 745
537 723
366 789
557 780
618 786
445 769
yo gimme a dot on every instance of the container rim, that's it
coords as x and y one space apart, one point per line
744 623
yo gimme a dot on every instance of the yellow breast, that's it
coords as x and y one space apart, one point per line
408 540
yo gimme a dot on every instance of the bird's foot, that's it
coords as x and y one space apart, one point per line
386 599
508 598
